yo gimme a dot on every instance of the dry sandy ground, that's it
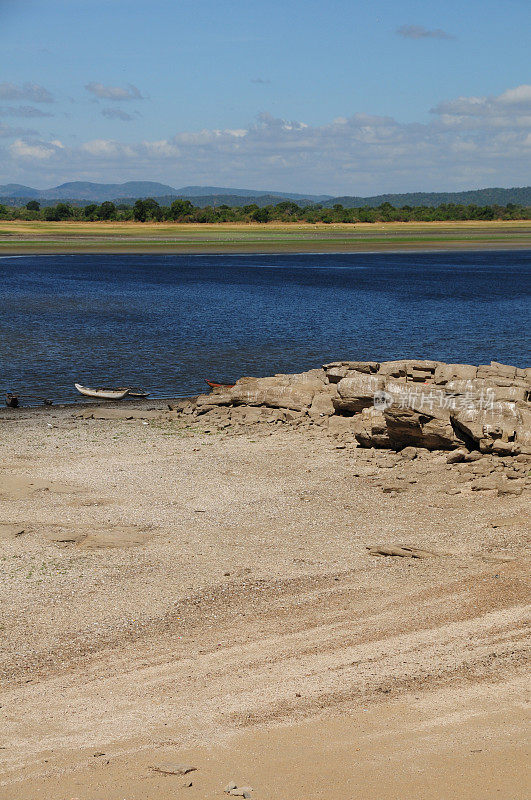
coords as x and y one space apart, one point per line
242 627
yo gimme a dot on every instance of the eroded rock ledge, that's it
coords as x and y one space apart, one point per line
392 404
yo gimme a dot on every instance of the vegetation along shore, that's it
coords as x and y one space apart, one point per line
35 236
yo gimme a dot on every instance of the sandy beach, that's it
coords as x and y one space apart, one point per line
176 593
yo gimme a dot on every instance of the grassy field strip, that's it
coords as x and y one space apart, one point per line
20 236
330 240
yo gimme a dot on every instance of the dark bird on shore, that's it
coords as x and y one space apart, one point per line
11 400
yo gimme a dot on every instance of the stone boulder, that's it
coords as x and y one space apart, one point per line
323 403
454 372
485 425
392 404
421 371
357 391
393 369
421 428
371 429
293 392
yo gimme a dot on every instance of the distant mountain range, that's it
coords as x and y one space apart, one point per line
84 192
479 197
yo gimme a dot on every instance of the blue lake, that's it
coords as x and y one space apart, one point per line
166 322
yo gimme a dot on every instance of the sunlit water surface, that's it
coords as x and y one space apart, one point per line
167 322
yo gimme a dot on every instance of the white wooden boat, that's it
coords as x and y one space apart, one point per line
102 393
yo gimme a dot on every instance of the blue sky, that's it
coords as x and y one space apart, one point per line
337 97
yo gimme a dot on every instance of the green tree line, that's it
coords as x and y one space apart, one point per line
148 210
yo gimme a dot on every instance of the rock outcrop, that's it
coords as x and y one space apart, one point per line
392 404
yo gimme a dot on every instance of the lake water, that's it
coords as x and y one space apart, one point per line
166 322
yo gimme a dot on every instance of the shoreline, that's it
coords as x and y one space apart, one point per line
35 238
199 251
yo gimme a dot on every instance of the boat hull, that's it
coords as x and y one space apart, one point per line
215 385
102 394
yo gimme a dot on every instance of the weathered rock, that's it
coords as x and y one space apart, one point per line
215 399
184 406
409 453
322 404
468 390
433 430
314 377
451 372
502 448
335 374
511 393
456 456
247 415
484 484
296 397
503 369
356 392
396 404
510 487
420 371
393 369
355 366
340 425
473 456
370 428
368 367
486 424
481 467
215 415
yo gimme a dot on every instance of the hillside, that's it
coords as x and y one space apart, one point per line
83 192
248 194
216 200
480 197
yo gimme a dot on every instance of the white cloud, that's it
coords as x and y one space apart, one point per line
469 142
519 95
25 91
107 148
115 93
162 149
37 150
511 109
